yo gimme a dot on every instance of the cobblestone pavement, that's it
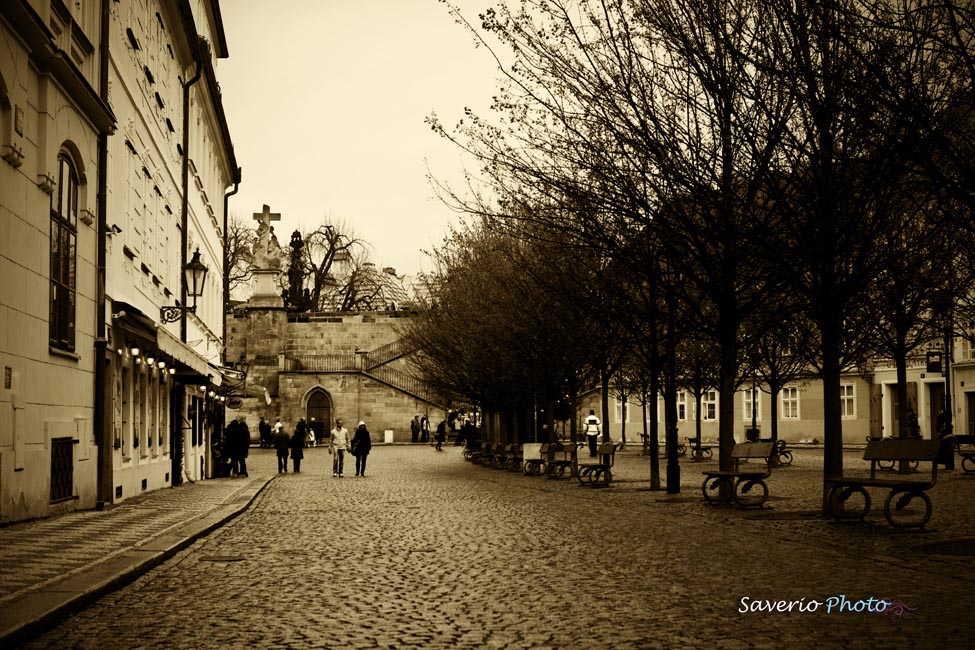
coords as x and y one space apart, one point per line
431 552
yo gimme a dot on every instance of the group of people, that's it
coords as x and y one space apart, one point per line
339 443
231 452
420 430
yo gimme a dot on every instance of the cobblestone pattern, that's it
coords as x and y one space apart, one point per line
431 552
38 552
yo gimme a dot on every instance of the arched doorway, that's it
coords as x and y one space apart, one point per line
318 413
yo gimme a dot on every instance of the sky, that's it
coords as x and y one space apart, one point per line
326 100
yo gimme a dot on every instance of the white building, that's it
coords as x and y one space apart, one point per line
51 121
113 175
169 166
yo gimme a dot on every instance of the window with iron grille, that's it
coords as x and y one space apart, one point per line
62 469
64 231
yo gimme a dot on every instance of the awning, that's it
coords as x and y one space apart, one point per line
169 344
134 323
235 384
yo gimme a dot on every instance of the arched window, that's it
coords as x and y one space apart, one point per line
64 235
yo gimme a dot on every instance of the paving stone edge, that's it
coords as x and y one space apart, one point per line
45 608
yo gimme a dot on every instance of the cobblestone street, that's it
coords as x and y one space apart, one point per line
428 551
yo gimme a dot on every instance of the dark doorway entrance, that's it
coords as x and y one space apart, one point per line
318 413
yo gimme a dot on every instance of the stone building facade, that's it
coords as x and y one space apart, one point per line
347 365
52 119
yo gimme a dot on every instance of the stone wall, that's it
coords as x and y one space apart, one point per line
267 338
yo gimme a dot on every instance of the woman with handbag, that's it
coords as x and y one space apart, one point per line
361 445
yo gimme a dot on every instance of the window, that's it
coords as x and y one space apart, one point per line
848 401
622 411
967 347
681 406
748 404
64 233
790 403
709 406
62 469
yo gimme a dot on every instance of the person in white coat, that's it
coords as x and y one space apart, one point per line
338 444
591 424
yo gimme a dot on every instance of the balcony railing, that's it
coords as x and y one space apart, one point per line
321 363
386 353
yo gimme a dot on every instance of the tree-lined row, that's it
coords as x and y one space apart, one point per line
767 180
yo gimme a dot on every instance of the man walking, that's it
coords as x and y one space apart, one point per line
337 445
282 444
592 431
242 446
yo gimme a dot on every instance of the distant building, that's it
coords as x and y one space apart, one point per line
321 366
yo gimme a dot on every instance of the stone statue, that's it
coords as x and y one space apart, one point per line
266 252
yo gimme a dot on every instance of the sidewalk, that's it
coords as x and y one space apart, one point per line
52 568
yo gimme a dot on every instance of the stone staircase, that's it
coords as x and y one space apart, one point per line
372 364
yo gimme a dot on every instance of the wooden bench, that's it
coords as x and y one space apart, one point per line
599 473
533 466
735 486
888 465
782 455
472 449
966 449
681 449
706 452
904 488
569 460
514 458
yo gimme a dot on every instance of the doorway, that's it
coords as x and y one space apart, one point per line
318 413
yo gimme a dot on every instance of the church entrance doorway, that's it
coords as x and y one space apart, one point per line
318 413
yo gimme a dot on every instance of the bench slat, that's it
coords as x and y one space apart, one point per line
902 449
752 450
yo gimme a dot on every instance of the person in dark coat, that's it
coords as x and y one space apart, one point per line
243 445
415 428
229 446
267 440
361 446
441 434
297 448
282 444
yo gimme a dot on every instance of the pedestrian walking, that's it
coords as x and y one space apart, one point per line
297 448
591 424
361 446
318 427
337 446
267 438
245 445
307 435
282 445
415 428
467 432
441 434
424 429
230 445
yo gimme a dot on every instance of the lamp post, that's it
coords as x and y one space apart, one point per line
194 276
194 279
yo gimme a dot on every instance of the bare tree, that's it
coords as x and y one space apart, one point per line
237 248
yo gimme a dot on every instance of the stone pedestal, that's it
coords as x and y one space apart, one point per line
266 290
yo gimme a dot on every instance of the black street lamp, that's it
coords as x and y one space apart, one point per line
195 276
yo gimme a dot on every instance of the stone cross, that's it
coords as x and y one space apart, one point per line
264 227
